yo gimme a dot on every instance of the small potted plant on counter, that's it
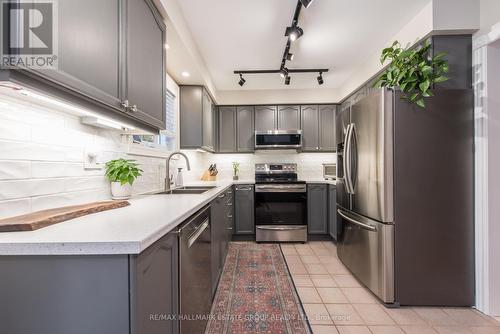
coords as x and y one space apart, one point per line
236 169
122 173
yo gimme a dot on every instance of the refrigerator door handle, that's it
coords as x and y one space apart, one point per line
353 170
347 160
355 222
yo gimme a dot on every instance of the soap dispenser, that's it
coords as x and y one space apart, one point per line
179 181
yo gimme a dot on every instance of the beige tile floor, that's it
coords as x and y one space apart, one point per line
336 303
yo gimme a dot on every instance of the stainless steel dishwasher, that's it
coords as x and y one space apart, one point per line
195 272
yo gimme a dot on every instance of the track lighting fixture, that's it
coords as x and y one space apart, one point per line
306 3
294 32
283 72
320 78
242 81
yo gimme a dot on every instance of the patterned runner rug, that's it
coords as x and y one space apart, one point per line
256 294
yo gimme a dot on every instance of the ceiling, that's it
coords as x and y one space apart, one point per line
249 34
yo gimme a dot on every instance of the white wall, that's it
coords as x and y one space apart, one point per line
489 14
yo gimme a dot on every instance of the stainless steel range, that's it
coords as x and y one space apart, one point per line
280 203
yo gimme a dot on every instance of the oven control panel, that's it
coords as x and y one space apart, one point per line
274 168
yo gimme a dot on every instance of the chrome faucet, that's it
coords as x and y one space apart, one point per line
168 179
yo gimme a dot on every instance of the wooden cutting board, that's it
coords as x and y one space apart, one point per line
36 220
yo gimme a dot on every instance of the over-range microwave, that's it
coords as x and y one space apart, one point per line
278 139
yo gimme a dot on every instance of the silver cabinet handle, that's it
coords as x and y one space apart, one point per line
198 232
221 196
230 204
229 216
244 189
355 222
279 228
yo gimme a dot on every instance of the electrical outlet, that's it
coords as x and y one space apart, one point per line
92 161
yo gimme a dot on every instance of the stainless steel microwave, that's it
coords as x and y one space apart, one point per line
278 139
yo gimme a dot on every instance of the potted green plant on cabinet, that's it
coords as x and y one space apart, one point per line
413 70
122 173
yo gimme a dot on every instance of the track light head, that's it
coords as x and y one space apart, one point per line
306 3
242 81
289 56
320 78
283 72
294 32
287 80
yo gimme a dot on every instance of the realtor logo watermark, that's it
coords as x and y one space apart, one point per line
29 34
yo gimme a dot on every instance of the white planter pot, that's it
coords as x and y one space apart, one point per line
120 192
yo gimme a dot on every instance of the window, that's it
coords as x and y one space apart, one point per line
167 138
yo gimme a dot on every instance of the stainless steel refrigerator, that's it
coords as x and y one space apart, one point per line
404 196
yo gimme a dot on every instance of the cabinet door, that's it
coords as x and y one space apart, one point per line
89 49
310 128
317 208
288 117
332 212
227 129
155 287
245 129
146 79
208 122
191 98
327 128
265 118
244 209
218 230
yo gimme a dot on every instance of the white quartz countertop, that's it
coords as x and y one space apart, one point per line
127 230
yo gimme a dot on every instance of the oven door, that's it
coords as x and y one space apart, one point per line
280 204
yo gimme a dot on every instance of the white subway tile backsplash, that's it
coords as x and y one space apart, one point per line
65 199
43 169
14 130
15 207
86 183
32 187
11 170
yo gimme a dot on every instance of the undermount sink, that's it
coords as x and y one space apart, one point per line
187 190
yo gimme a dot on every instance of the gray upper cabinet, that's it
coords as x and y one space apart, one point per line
317 208
266 118
245 129
327 127
89 49
288 117
146 80
111 59
310 122
208 123
196 118
227 129
244 221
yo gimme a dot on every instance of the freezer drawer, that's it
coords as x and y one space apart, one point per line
367 249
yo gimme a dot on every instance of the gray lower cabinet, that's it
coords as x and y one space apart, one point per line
221 220
81 294
227 129
266 118
245 129
244 209
196 119
317 208
333 229
310 122
155 287
288 117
